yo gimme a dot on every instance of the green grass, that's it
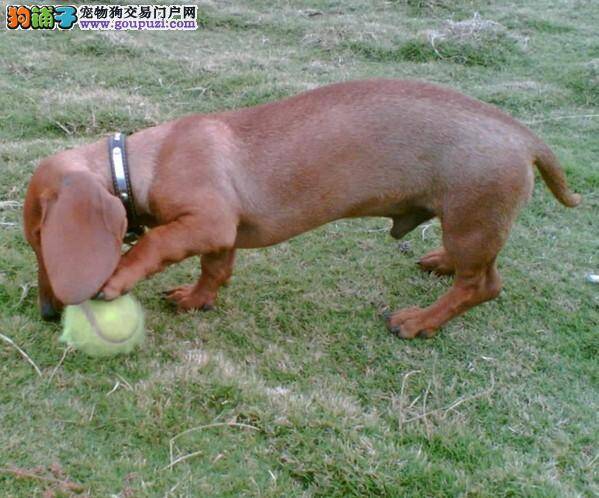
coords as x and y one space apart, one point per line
502 403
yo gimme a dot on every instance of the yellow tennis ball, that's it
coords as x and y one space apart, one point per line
104 328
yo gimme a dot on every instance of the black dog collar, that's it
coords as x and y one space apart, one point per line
122 184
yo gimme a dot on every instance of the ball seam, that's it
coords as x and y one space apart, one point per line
91 318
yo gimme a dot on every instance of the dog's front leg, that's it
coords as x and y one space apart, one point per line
167 244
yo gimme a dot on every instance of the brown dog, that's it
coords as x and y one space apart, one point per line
209 184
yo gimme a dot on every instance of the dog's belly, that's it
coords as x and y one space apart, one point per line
282 225
251 236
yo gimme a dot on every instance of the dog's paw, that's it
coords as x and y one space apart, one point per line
189 297
409 323
436 262
112 289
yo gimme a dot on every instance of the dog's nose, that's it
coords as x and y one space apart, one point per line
49 313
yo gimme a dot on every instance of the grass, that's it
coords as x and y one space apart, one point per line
294 386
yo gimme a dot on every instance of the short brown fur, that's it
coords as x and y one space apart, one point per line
210 184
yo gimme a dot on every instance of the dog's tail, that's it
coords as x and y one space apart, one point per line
554 176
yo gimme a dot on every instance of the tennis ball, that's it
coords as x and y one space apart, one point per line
104 328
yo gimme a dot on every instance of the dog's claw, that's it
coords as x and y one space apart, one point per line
187 297
100 296
396 331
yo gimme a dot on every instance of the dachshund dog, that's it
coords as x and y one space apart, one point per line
208 184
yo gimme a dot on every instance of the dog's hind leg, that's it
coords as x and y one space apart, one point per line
438 262
471 245
476 223
473 254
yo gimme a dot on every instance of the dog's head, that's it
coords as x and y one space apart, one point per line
76 228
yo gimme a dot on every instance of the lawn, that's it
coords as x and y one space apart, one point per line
293 386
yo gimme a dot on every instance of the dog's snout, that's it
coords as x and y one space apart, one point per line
49 312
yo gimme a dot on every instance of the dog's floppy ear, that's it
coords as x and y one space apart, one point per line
81 235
